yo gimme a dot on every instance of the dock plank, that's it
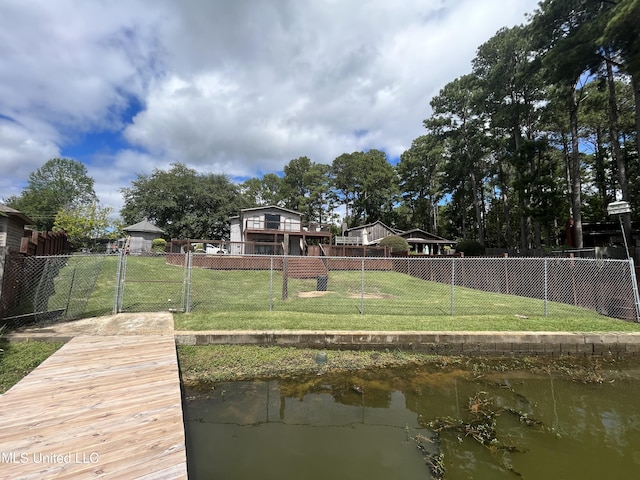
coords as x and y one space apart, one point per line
100 407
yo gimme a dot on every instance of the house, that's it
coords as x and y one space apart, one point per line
371 234
141 236
12 223
425 242
274 230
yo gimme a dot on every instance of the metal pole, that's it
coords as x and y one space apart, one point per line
362 289
634 285
546 288
188 261
453 281
624 236
73 279
116 298
271 284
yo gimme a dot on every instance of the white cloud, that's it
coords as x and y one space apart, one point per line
237 87
20 154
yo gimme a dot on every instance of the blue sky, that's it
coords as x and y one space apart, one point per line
238 87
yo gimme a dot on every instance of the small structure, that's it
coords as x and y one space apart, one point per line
424 242
12 223
141 236
371 234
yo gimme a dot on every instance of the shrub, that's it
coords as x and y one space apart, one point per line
396 243
470 248
158 245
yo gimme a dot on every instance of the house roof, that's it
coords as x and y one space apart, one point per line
418 235
270 207
377 222
12 212
143 226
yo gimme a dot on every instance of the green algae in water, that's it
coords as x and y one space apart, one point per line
378 424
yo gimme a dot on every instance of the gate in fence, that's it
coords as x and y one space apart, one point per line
148 283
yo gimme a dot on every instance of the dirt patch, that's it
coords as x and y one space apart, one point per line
313 294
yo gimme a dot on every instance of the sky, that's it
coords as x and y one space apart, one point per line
239 87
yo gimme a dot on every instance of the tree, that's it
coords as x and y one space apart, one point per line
183 203
85 224
262 192
566 34
306 189
366 182
512 89
61 183
622 32
418 171
460 123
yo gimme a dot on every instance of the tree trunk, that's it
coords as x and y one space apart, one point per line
617 151
478 206
635 83
600 173
506 207
576 178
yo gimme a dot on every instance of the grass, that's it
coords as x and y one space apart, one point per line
391 301
208 364
311 321
18 359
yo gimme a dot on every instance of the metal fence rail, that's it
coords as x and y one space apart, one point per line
67 287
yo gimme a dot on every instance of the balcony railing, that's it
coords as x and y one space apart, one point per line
285 225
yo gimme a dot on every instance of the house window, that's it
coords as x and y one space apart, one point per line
272 222
254 223
288 224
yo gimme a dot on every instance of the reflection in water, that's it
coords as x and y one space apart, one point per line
375 425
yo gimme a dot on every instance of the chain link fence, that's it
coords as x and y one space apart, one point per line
44 289
55 288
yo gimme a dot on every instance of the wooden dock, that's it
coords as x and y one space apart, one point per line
100 407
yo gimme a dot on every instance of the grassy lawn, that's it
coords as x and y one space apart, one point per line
311 321
18 359
390 301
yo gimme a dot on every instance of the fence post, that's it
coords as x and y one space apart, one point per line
453 281
73 280
285 278
634 285
188 261
116 299
271 284
362 289
546 288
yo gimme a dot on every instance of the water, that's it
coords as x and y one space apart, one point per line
369 425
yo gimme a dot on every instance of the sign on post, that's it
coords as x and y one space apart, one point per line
618 208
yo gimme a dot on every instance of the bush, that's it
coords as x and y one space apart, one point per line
471 248
158 245
396 243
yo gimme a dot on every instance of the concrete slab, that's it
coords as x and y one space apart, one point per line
157 323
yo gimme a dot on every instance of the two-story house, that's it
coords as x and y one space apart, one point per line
274 230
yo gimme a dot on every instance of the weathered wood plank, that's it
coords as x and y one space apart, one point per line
100 407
